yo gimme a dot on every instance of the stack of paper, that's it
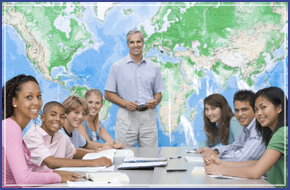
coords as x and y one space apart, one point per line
198 171
133 160
123 153
193 159
104 176
107 153
87 169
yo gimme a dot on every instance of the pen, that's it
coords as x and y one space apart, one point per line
189 151
88 178
175 157
211 157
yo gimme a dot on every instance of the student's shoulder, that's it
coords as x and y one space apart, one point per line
34 130
234 123
61 136
11 128
281 132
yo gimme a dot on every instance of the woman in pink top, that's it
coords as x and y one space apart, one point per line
21 102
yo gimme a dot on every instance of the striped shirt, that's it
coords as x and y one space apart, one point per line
247 146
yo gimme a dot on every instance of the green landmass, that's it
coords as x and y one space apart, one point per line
40 23
128 11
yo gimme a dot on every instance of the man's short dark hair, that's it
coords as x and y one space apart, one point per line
244 96
51 104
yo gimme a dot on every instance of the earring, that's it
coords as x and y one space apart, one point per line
15 106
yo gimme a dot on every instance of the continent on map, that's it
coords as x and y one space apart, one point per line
224 39
201 48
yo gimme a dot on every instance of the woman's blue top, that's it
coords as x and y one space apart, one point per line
94 136
234 130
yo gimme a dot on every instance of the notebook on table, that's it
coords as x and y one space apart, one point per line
141 165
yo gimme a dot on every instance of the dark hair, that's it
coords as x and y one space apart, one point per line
217 100
277 97
51 104
10 90
244 95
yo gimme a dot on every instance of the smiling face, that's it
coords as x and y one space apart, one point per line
28 101
212 113
53 120
135 44
95 104
244 112
76 117
267 113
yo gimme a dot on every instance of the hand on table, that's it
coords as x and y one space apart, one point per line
118 145
103 161
107 146
209 153
67 176
213 169
201 150
213 161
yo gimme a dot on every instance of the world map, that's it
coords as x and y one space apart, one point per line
200 48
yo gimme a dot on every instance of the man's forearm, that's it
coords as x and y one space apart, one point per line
158 97
115 99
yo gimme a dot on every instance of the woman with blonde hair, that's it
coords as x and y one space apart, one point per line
220 125
92 129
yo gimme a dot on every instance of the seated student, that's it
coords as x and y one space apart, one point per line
21 102
220 125
52 149
92 129
76 110
248 144
271 111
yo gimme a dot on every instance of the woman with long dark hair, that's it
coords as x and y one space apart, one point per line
220 125
21 102
271 111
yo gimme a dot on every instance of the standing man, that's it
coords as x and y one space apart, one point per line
135 85
248 144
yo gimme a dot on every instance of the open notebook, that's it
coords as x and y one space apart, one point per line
107 153
108 176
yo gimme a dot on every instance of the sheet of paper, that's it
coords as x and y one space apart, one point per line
87 169
224 177
198 171
193 159
107 153
123 153
114 182
107 176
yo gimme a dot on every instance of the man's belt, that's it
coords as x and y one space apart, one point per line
142 108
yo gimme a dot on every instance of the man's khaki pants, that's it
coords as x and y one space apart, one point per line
136 126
